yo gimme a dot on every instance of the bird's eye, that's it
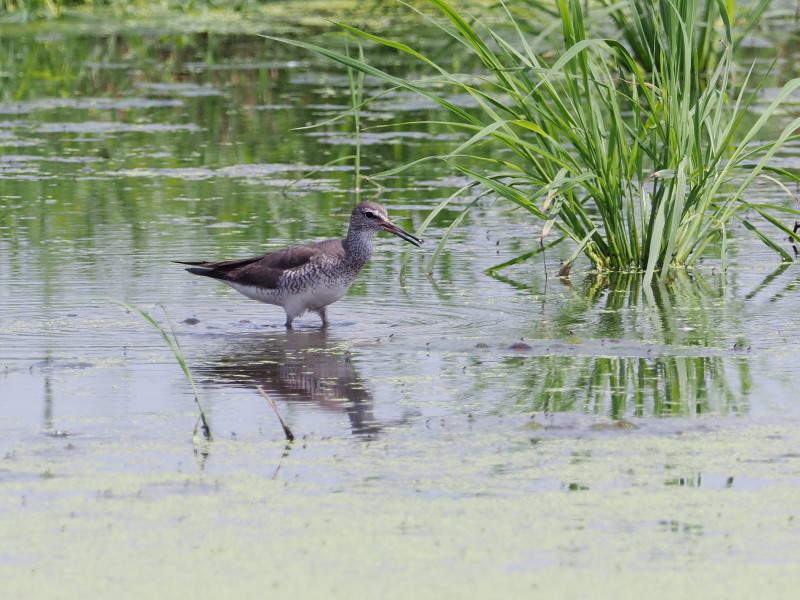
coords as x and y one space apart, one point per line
369 215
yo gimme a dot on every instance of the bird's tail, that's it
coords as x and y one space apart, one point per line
194 263
200 271
199 267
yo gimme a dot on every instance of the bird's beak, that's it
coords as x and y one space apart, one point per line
401 233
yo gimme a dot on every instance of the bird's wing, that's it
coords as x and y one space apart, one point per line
266 270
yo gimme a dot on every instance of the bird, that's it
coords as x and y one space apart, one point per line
309 277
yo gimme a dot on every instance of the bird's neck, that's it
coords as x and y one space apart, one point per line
358 247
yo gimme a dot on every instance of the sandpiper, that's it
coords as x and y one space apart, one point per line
309 277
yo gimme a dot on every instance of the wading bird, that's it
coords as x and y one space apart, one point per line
310 277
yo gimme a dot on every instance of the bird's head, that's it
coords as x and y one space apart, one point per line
371 216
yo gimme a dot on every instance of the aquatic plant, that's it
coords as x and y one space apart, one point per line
637 28
641 168
286 429
171 338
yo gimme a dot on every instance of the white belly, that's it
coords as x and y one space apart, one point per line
295 303
321 296
257 293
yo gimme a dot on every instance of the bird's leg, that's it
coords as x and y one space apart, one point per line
794 246
289 322
323 315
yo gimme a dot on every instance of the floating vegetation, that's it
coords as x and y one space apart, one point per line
41 104
187 90
110 127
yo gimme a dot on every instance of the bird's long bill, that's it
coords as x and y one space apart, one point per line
401 233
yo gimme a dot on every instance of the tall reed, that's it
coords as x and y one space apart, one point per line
641 169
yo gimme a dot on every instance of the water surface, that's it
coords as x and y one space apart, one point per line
518 432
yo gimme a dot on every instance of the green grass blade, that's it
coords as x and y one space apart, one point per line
428 220
677 216
767 240
174 345
582 244
656 235
523 257
440 246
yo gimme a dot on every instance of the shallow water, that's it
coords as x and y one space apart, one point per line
458 433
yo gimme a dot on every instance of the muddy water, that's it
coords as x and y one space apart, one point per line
457 433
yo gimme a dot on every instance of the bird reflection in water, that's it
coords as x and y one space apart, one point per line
299 366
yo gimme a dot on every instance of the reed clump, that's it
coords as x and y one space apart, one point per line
638 152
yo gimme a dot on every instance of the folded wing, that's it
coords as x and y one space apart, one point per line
264 271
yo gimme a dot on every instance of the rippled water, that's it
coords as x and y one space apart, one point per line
450 384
